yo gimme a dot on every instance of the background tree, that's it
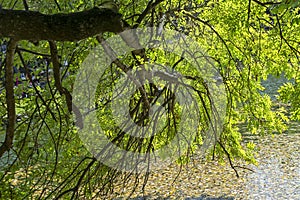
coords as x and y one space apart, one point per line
42 152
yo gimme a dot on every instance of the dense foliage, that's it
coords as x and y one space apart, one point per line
248 41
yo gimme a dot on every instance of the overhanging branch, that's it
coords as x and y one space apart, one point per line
35 26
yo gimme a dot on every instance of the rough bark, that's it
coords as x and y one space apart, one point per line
35 26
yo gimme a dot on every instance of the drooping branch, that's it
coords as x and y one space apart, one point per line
10 99
31 25
109 51
28 74
56 66
57 77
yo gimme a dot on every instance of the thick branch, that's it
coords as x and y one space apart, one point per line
10 99
30 25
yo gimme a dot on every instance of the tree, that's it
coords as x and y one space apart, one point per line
246 40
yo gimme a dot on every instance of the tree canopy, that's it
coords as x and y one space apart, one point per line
45 44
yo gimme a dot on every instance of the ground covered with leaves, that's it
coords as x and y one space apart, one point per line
277 175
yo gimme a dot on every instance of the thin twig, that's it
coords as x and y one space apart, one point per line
109 51
33 84
266 3
149 7
25 5
229 159
33 52
57 4
249 11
